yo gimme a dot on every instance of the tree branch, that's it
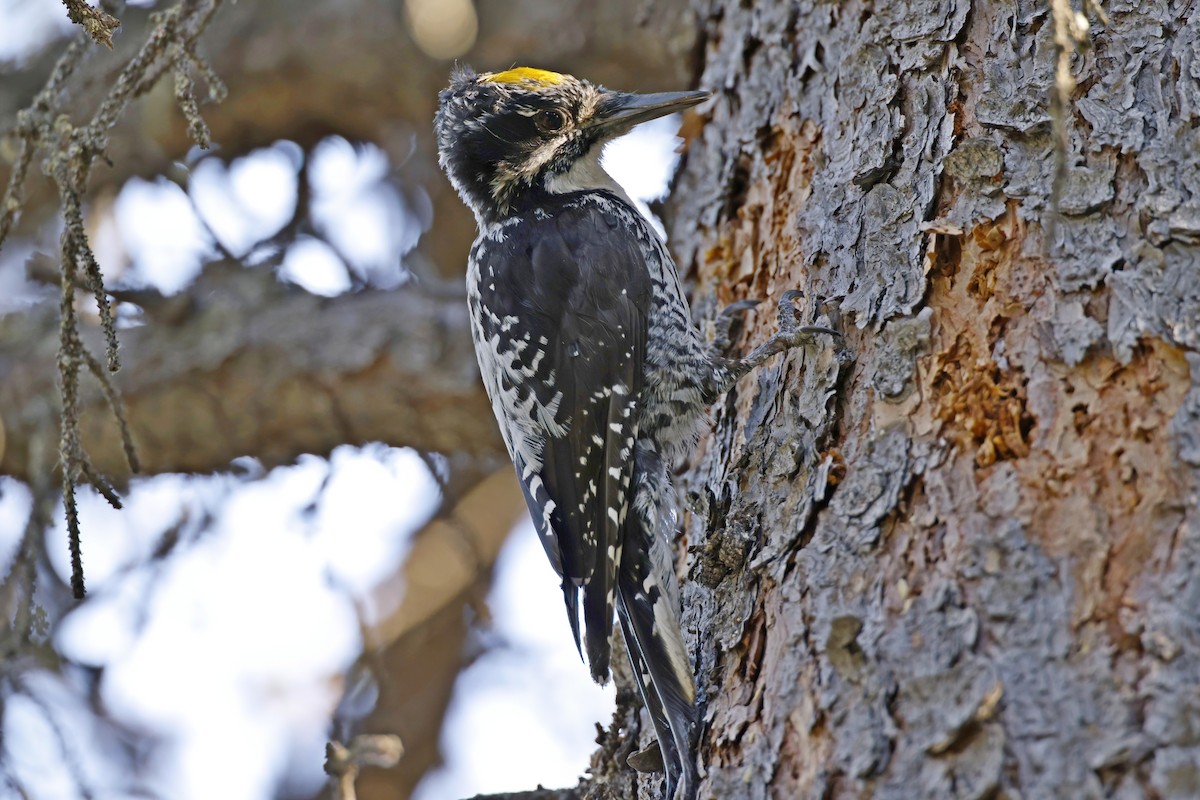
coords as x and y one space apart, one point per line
95 21
241 365
415 653
70 152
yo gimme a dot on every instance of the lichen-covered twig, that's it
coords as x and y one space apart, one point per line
217 90
185 92
99 482
117 405
11 202
32 123
77 248
70 152
98 24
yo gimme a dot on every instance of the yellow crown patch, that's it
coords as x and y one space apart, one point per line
538 77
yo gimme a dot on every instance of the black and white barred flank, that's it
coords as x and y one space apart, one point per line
592 364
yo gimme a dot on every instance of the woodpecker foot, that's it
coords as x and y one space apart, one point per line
724 324
790 334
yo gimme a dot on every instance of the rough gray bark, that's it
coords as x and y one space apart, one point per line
971 570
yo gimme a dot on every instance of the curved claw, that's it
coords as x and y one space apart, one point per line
738 307
723 325
790 334
821 329
788 313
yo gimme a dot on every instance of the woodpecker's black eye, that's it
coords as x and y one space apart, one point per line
551 120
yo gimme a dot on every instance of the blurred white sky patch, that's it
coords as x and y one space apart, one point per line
524 714
161 231
251 198
34 756
35 721
15 503
315 267
28 25
169 233
359 212
644 161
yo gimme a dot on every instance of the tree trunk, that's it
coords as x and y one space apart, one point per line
964 567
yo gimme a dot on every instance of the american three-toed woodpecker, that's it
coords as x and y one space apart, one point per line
597 375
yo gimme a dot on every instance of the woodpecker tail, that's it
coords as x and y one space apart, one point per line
669 697
647 605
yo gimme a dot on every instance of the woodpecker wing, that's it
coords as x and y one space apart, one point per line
563 303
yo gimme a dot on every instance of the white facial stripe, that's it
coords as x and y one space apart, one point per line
587 105
540 157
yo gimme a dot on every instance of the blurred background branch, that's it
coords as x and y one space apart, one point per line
240 364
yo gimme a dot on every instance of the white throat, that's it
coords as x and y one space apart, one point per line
586 174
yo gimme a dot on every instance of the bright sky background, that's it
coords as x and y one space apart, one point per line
232 648
27 26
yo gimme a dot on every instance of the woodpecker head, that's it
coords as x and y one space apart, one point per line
508 138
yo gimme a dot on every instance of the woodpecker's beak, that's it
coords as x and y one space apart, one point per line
622 110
